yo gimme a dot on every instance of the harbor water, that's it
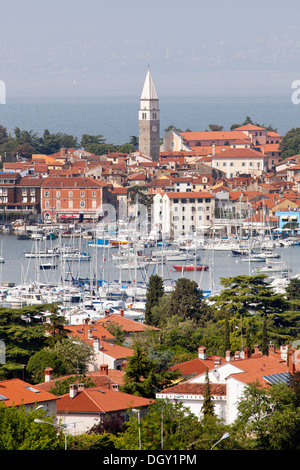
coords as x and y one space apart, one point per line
17 268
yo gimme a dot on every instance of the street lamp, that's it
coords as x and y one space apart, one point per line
225 435
40 407
139 425
61 426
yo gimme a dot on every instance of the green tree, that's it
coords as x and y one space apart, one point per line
94 442
145 376
23 333
268 419
154 292
246 299
56 327
61 387
290 143
74 354
215 127
40 360
187 302
18 431
165 426
208 405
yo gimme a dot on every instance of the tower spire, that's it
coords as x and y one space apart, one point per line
149 120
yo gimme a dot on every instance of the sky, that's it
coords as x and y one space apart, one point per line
193 47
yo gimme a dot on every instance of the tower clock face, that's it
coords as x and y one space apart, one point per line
154 128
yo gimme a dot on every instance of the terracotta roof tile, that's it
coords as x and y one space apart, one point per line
96 400
187 388
17 392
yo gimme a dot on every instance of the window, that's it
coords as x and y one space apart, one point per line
70 204
46 193
46 203
94 194
94 204
82 193
58 194
70 193
82 203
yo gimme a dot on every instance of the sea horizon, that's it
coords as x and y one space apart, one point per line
116 117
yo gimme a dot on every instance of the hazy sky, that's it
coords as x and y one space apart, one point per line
193 47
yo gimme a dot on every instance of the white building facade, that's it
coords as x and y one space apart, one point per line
180 213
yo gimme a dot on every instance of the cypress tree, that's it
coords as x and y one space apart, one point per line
208 405
226 334
154 292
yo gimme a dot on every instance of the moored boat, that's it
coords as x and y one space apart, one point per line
198 267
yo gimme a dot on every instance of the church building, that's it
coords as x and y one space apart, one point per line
149 120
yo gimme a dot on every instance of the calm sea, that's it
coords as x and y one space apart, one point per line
116 118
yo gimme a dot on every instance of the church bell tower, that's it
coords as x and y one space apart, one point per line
149 121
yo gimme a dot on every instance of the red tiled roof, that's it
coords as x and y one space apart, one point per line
214 135
96 400
194 366
189 195
188 388
19 392
255 368
53 182
126 324
82 331
99 378
249 127
238 153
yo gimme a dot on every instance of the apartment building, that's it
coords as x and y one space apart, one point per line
72 197
235 161
180 213
19 196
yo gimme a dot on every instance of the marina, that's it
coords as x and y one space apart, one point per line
88 278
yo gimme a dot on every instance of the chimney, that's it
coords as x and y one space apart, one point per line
80 387
96 344
122 312
247 353
256 349
107 313
104 369
227 355
218 361
202 352
213 149
271 348
48 374
73 391
237 355
284 352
